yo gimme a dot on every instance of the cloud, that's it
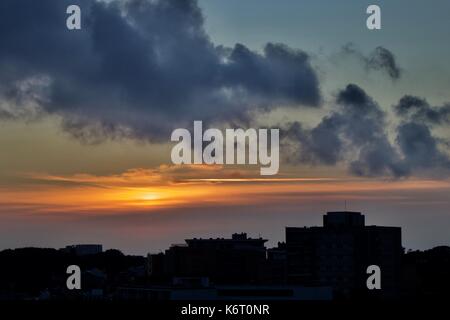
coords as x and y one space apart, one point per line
356 134
138 69
163 175
420 147
418 109
380 59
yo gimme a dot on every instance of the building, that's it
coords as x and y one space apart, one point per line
274 269
236 260
339 253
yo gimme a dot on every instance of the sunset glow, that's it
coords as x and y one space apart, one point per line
151 190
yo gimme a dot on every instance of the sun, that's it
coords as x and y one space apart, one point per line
150 196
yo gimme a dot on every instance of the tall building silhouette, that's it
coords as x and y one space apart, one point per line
338 254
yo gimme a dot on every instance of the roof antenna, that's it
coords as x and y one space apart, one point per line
345 204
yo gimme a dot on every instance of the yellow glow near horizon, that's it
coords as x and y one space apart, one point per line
143 189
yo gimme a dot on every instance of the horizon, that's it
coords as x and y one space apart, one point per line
269 242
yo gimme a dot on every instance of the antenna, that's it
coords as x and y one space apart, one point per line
345 204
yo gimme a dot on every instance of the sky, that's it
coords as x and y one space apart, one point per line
86 118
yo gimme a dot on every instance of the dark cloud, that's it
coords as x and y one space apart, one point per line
317 146
353 133
418 109
138 68
379 59
420 147
356 134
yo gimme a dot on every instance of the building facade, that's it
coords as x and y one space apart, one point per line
235 260
339 253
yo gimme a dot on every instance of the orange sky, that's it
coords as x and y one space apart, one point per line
178 186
